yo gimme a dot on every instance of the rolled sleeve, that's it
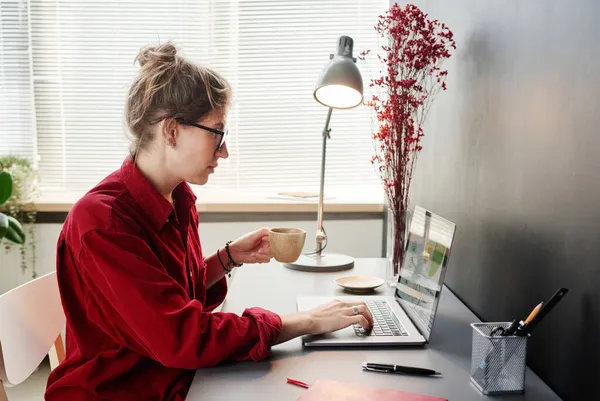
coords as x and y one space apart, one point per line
269 328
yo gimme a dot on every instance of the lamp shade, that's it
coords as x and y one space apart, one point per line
340 84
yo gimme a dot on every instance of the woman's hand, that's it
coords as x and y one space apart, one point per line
325 319
338 315
252 248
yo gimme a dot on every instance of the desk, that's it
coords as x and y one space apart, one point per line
275 287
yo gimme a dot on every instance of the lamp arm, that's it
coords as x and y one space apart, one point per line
321 235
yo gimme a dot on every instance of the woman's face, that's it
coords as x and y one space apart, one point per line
195 155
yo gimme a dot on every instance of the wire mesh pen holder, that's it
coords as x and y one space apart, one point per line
497 362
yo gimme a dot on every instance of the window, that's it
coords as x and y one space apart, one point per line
17 116
66 65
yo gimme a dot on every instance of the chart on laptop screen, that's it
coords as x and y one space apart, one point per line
422 273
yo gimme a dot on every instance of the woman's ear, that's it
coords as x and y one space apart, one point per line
170 131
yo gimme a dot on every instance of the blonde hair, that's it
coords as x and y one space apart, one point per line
168 86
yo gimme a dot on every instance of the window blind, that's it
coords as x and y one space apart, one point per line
80 58
17 117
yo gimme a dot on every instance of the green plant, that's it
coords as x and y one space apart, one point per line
10 228
17 191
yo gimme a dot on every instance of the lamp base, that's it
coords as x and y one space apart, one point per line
326 262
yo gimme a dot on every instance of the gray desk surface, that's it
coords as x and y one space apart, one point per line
275 287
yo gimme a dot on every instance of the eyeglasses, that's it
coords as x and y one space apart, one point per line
222 134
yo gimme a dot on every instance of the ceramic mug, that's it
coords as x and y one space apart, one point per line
286 243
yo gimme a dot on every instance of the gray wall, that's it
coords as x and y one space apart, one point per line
512 155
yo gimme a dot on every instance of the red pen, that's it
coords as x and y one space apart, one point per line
297 383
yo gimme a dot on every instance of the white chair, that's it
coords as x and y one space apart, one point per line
31 320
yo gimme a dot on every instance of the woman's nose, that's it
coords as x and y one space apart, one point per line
223 153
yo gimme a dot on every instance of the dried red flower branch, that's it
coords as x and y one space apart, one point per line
411 77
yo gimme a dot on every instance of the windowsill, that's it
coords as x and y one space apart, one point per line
231 201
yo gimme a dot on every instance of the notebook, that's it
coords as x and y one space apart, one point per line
328 390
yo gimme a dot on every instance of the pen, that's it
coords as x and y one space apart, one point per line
383 368
522 324
501 331
526 329
297 383
548 306
486 369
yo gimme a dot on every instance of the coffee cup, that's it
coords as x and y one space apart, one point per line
286 243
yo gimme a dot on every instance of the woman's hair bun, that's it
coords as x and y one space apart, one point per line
159 54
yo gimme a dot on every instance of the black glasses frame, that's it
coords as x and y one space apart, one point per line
222 134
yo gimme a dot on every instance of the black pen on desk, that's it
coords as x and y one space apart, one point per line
385 368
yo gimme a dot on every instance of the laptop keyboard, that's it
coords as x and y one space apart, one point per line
385 322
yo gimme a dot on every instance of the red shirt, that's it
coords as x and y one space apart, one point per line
133 286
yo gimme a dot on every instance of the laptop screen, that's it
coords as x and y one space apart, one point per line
422 273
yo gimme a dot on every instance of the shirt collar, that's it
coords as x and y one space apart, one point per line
150 201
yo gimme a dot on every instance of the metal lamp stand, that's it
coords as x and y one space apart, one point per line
318 261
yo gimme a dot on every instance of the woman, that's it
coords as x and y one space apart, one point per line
137 291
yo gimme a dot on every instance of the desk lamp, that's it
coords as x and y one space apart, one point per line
339 86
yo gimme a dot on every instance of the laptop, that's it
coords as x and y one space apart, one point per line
407 317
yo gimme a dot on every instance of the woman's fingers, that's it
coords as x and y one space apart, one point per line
261 254
356 303
265 243
364 311
261 257
338 315
264 251
359 308
264 248
360 319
